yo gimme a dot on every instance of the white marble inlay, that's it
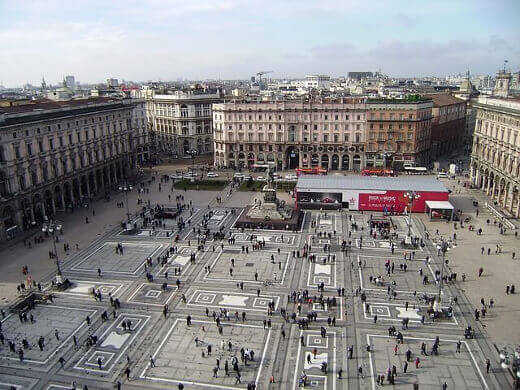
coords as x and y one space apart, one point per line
322 269
182 260
315 362
115 340
413 314
233 300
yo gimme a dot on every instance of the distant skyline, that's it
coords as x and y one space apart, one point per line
233 39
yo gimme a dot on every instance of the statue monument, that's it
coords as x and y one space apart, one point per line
269 212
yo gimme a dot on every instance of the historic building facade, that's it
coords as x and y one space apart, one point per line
58 155
495 158
448 124
326 133
399 132
181 121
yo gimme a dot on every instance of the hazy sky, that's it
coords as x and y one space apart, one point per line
199 39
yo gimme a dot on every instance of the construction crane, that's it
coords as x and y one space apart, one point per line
260 74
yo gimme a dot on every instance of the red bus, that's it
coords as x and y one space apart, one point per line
377 172
310 171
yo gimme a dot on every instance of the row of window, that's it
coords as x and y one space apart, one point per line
498 132
30 150
76 162
498 118
373 147
270 126
390 126
336 138
69 124
290 117
383 136
321 117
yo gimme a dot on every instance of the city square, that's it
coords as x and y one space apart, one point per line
303 317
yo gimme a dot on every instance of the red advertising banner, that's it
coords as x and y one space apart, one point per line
396 201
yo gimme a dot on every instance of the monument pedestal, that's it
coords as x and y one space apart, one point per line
269 214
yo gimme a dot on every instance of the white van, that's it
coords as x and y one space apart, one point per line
442 175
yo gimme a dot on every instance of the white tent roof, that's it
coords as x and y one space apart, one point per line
439 205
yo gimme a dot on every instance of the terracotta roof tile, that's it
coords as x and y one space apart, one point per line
444 99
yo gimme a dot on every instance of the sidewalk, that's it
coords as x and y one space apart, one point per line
76 232
499 269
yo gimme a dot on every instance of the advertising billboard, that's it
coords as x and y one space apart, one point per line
395 201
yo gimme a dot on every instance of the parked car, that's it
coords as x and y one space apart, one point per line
291 177
442 175
329 200
176 177
260 178
212 174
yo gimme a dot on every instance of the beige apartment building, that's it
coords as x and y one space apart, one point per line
181 121
346 134
56 155
495 158
294 133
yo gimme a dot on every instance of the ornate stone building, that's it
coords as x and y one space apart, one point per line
324 133
399 132
495 158
57 155
335 134
181 121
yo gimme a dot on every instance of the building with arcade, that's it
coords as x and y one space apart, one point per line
56 155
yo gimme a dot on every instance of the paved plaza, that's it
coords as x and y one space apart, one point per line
224 314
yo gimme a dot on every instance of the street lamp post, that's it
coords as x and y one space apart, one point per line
192 153
411 196
52 227
125 188
444 247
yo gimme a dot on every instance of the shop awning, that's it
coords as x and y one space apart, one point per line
439 205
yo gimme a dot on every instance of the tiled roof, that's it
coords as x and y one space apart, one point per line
444 99
47 104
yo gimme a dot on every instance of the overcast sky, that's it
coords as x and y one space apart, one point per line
232 39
